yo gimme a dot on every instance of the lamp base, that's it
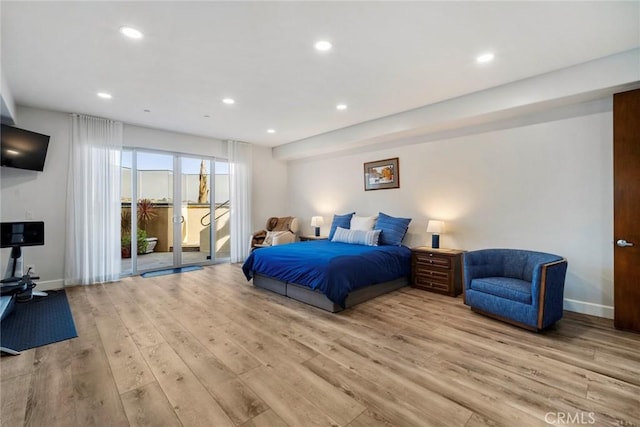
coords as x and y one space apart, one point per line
435 241
317 231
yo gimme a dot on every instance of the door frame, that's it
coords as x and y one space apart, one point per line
177 190
177 260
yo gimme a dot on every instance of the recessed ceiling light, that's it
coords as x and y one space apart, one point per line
104 95
485 57
271 131
12 152
206 116
323 45
132 33
229 101
341 107
146 110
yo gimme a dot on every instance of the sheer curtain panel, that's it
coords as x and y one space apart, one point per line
93 201
240 159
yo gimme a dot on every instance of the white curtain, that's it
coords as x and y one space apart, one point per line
240 164
93 201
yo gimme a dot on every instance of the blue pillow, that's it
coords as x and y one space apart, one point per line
343 221
356 237
393 229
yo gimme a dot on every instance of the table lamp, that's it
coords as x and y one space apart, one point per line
317 221
435 227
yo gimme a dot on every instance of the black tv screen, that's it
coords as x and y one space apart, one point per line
23 149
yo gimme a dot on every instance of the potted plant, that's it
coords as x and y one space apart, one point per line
146 213
142 243
125 234
125 245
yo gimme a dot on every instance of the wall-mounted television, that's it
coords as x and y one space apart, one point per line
23 149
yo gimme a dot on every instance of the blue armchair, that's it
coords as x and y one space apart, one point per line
522 287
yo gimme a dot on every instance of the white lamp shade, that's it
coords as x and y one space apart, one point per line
435 227
317 221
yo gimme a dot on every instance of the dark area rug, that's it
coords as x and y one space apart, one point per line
41 321
170 271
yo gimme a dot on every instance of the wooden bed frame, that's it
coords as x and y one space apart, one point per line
318 299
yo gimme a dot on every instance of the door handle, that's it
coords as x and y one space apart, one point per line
623 243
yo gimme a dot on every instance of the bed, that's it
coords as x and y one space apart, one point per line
329 275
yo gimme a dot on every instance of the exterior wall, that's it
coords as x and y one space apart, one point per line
156 185
161 228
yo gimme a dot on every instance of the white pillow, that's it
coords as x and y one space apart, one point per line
363 222
268 240
356 237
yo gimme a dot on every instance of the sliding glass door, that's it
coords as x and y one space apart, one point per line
178 210
221 214
195 210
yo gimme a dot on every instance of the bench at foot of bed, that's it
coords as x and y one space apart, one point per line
317 299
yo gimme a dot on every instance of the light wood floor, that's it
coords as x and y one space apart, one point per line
205 348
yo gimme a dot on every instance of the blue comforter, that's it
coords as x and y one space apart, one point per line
333 268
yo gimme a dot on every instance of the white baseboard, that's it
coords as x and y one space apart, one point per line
49 285
590 308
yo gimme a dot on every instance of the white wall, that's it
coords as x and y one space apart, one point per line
546 187
142 137
7 105
41 196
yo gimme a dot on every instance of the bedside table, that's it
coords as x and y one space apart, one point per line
437 270
305 238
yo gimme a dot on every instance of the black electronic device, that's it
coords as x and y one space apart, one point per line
25 233
23 149
14 235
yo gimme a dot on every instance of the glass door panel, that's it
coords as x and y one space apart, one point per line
222 230
196 232
125 212
154 211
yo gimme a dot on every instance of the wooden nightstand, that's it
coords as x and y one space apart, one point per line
437 270
305 238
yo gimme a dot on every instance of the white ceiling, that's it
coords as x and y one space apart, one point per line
388 57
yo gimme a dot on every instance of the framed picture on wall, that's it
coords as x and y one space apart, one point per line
382 174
